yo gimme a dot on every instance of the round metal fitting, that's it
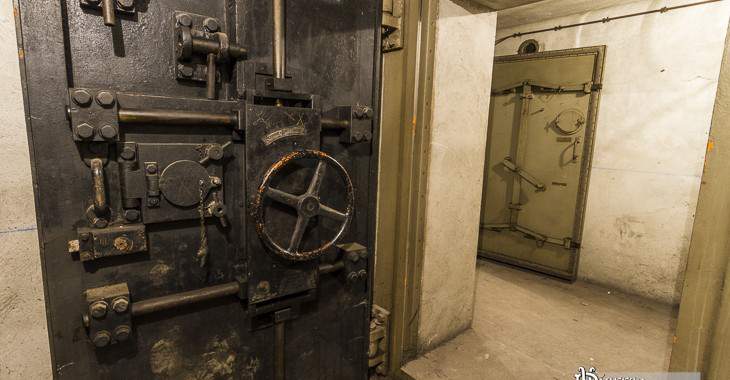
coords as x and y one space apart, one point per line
215 152
120 304
184 183
211 24
108 132
128 153
82 98
102 338
123 244
122 333
151 169
84 131
529 47
105 99
185 19
98 309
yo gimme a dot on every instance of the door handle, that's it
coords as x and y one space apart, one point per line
507 162
97 174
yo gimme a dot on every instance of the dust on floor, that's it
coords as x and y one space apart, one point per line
527 326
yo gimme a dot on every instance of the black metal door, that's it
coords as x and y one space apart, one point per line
204 175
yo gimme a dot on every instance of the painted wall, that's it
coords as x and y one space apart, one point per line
24 351
464 44
660 81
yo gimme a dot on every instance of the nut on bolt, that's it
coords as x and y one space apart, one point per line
108 132
122 333
98 309
84 131
82 98
105 99
125 4
120 304
102 338
184 19
211 24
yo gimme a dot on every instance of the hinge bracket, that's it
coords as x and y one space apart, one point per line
378 349
392 25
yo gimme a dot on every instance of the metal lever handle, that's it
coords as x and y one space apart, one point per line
507 162
97 174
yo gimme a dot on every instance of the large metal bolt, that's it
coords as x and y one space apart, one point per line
128 153
185 19
108 132
98 309
82 98
120 304
186 71
211 25
105 99
84 131
102 338
122 333
131 215
125 4
100 222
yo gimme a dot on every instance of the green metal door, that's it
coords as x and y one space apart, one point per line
540 142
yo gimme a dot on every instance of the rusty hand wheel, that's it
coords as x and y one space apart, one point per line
307 205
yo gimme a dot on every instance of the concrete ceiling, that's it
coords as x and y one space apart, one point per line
498 5
536 11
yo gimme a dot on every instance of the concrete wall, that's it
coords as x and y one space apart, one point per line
24 351
659 87
462 71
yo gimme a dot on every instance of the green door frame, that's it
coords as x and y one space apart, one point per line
405 135
702 338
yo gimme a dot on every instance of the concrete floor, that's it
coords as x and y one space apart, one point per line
527 326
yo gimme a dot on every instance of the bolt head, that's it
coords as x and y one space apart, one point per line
215 152
151 169
98 309
84 131
120 304
105 99
128 153
100 223
186 71
211 25
357 136
82 98
131 215
122 333
102 338
153 201
125 4
185 19
108 132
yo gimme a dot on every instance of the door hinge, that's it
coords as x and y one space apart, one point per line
378 349
392 25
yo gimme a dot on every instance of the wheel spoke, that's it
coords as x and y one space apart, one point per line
282 197
296 237
329 212
317 178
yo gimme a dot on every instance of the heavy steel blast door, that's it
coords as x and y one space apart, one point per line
204 174
540 142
